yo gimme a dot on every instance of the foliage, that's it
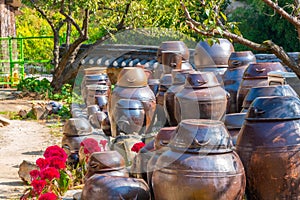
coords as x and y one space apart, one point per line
258 23
52 179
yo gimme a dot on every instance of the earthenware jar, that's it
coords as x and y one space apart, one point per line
102 163
201 98
77 127
132 84
101 187
161 141
256 74
176 46
200 164
178 80
154 85
234 123
264 91
213 58
268 145
237 64
94 90
129 115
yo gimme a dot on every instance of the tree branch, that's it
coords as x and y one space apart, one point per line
283 13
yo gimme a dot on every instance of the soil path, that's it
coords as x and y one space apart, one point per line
21 140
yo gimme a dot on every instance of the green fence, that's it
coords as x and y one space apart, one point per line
13 58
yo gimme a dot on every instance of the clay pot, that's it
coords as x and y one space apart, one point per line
177 46
102 163
101 101
129 115
178 80
102 187
95 90
154 85
161 141
268 145
171 60
200 160
237 64
97 118
256 74
263 91
132 84
234 123
213 58
201 98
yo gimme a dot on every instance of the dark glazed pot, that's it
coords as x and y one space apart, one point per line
178 80
106 162
256 74
237 64
132 84
234 123
77 127
161 141
177 46
268 145
201 98
264 91
102 187
200 164
129 116
95 90
171 60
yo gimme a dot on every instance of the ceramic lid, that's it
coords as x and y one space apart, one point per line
132 77
262 91
260 70
274 108
202 136
77 127
106 161
241 58
201 80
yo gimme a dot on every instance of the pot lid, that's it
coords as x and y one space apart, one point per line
274 108
241 58
263 91
202 136
77 127
129 104
178 46
106 161
234 120
201 80
132 77
261 70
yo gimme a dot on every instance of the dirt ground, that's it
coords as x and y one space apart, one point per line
21 140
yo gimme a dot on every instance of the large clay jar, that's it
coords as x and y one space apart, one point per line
172 48
165 83
213 58
106 162
93 91
161 142
132 84
199 165
201 98
103 187
268 145
237 64
178 80
129 115
264 91
256 74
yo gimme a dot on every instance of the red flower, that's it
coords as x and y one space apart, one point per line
90 146
38 186
48 196
56 162
55 151
49 173
34 174
103 143
42 163
137 146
